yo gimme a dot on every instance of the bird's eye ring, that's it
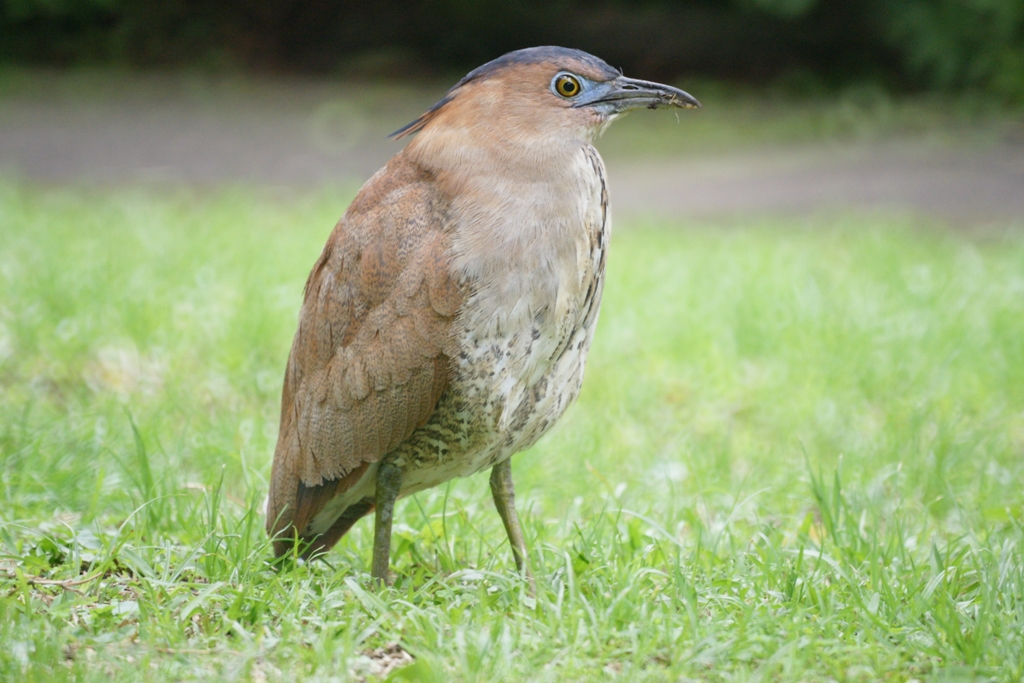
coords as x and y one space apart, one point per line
567 86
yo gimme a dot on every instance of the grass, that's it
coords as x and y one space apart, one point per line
797 456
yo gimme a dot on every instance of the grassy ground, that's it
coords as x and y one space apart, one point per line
797 456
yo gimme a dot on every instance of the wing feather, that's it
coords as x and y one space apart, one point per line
370 358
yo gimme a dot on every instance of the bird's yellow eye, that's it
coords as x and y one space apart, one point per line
567 86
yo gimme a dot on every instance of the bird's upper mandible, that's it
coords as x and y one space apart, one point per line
541 94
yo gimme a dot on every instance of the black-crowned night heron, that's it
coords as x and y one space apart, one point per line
446 324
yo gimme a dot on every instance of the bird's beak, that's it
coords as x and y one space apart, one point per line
622 94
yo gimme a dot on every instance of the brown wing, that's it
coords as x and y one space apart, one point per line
370 358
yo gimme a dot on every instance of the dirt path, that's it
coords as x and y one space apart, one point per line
962 186
307 134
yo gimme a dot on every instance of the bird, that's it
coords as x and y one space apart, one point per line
446 324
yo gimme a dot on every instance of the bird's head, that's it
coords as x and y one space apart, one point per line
545 95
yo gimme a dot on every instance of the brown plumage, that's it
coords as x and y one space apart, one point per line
445 326
369 360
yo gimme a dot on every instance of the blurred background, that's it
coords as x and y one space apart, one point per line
808 104
906 44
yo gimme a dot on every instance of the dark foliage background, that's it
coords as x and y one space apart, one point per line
906 44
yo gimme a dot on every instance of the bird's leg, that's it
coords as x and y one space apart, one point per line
389 481
505 500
